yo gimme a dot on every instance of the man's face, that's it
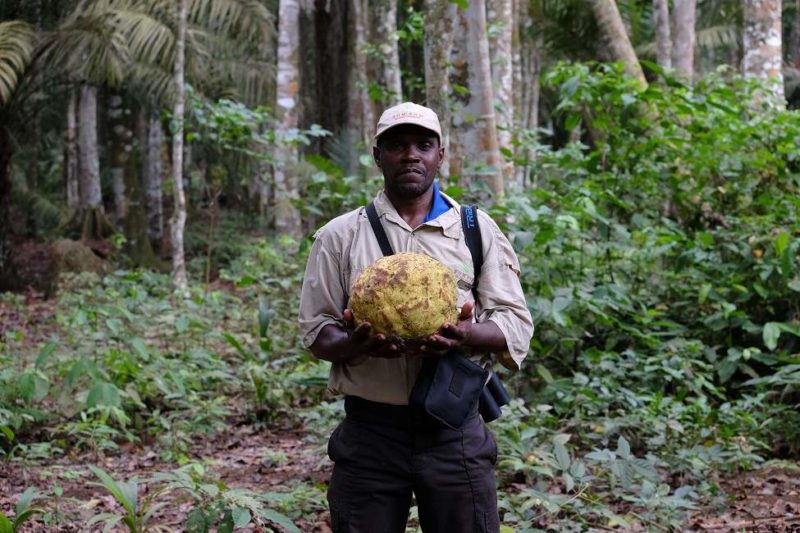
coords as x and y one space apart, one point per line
409 157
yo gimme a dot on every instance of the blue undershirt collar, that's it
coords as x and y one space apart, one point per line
439 206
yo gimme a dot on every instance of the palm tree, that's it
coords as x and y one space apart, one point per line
130 45
178 220
17 42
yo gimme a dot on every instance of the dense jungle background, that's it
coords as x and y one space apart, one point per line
164 164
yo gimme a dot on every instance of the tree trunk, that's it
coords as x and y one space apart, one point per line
527 79
501 19
6 153
287 217
71 152
793 46
153 178
485 151
261 189
91 218
662 30
361 117
386 38
139 246
684 12
119 155
89 160
439 19
612 31
178 220
763 57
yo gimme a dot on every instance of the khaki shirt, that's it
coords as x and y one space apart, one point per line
345 246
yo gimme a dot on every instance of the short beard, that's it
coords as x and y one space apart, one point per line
409 191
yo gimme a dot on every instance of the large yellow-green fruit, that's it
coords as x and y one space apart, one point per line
405 295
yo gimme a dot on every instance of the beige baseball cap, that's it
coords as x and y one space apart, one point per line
409 113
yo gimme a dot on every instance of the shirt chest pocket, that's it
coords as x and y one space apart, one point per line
465 283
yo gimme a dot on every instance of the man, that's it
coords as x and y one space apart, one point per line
384 450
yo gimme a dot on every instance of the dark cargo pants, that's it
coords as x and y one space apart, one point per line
382 453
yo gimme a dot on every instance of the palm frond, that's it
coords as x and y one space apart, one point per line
247 20
16 48
341 149
717 36
151 84
236 64
88 47
148 37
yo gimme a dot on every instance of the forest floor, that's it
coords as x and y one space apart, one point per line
242 457
293 461
766 500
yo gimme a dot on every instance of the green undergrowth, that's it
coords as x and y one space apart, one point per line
659 258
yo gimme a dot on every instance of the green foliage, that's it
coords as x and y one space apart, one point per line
22 511
661 258
214 505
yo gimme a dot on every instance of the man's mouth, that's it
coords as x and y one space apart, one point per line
410 170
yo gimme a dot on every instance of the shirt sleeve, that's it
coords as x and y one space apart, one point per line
323 297
500 296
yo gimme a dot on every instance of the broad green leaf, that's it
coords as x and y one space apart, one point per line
226 524
569 481
239 348
771 334
44 354
572 121
5 524
141 348
25 500
7 432
623 448
703 294
125 493
781 243
196 521
103 394
705 238
265 315
241 517
562 455
280 519
544 373
32 386
21 518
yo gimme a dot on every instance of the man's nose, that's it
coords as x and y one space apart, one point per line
411 153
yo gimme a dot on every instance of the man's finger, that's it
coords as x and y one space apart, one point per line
466 310
361 333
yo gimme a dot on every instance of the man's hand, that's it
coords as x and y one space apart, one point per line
450 335
363 342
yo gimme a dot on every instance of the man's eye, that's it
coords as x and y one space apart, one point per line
425 146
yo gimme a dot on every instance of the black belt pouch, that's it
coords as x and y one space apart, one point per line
449 388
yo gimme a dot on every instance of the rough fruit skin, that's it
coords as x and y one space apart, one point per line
406 295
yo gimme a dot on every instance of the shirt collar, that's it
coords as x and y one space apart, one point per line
449 221
439 206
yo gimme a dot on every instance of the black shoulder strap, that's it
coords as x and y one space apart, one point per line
377 228
472 234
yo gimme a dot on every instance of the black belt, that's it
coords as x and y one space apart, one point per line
385 414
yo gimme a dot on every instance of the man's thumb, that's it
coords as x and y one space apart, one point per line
466 310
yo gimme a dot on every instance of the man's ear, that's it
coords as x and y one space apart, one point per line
376 155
